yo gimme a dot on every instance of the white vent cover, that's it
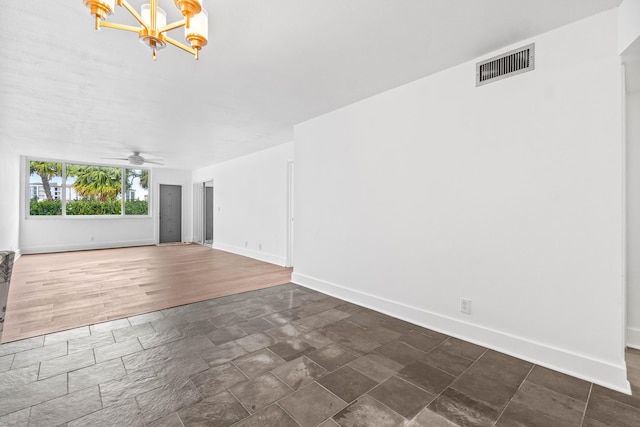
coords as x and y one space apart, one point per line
506 65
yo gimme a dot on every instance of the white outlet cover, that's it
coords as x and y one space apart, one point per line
465 305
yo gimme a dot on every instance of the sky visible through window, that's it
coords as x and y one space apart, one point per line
140 193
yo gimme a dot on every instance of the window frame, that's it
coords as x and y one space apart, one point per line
63 190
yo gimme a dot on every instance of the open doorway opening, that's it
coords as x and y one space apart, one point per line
208 213
203 213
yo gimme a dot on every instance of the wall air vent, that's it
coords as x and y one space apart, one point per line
506 65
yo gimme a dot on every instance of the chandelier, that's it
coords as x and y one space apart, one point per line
153 23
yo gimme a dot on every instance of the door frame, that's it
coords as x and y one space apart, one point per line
199 203
290 213
204 212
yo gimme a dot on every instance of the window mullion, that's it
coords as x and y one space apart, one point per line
63 196
123 186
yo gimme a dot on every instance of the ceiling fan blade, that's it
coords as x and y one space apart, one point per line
153 163
114 158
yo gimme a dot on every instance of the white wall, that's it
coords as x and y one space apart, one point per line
629 20
42 234
9 198
633 219
250 203
510 194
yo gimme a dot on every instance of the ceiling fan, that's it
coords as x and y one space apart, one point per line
136 159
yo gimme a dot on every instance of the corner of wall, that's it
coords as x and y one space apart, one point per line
633 338
10 199
260 256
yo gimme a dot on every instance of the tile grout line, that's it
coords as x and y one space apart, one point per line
394 411
277 403
514 394
409 382
586 405
457 355
239 401
616 400
308 385
458 377
435 367
179 418
236 397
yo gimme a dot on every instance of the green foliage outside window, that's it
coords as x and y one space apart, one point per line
136 178
96 182
45 207
87 207
90 190
94 207
136 207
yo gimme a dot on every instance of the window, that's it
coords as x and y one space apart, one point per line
88 190
45 186
137 192
96 190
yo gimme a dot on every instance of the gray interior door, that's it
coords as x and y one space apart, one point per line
170 213
209 214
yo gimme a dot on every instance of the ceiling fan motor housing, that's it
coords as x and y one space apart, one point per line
136 159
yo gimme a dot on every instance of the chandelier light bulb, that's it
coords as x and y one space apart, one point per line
161 16
198 34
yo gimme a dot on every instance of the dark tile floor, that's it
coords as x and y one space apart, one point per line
285 356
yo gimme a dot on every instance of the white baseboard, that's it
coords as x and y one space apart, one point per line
18 254
260 256
85 247
633 338
582 366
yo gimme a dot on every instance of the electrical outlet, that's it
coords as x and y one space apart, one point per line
260 246
246 244
92 239
465 305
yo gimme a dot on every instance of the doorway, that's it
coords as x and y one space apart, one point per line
170 213
203 194
208 213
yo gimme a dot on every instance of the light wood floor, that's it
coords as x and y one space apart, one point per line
54 292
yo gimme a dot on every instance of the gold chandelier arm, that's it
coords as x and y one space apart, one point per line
172 26
153 33
133 12
120 26
154 14
186 48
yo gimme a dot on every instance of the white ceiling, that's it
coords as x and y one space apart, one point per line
69 92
